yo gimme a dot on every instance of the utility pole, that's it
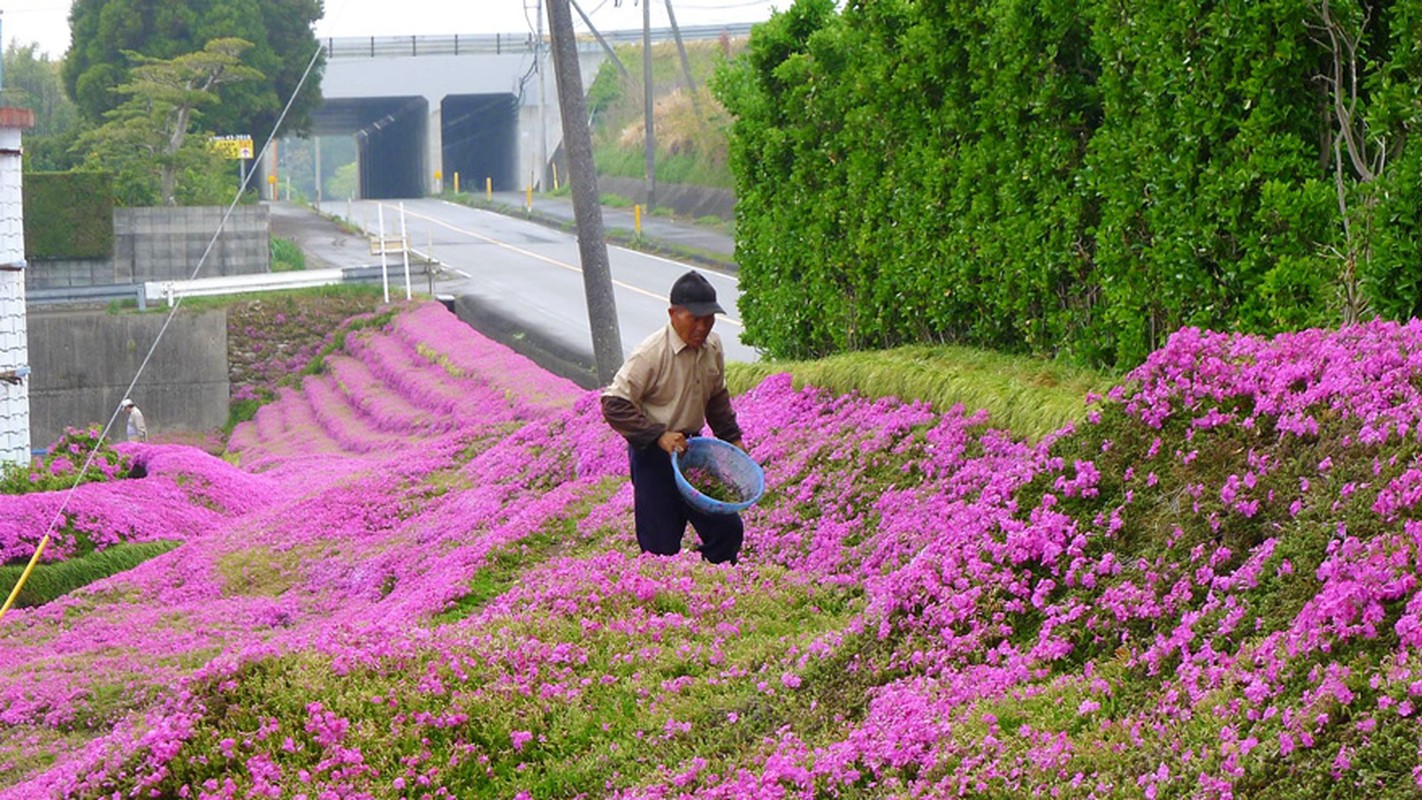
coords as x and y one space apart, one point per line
651 135
685 62
587 208
316 143
537 177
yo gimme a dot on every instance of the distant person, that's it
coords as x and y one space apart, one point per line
672 384
137 430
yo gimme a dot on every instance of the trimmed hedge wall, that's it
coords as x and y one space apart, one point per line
1071 177
68 215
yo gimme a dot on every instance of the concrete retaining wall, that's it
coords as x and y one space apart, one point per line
487 318
46 273
684 199
82 362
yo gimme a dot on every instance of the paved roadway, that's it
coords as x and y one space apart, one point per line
534 273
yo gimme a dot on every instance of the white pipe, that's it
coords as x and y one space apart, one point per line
405 250
384 269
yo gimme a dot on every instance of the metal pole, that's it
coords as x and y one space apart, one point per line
650 132
317 141
405 249
685 62
537 178
384 267
587 208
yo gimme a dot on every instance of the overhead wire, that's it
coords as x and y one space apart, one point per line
162 330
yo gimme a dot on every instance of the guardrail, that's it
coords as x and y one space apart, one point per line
99 293
506 43
168 292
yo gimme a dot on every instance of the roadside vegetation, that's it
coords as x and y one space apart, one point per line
689 124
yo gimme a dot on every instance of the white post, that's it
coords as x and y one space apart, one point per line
14 348
384 267
405 250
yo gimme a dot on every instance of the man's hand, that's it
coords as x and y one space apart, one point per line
739 445
672 442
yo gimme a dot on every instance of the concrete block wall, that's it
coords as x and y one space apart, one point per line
167 243
65 273
82 362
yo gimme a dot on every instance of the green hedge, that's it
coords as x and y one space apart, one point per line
68 215
1074 177
55 579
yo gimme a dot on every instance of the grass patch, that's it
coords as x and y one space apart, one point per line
1029 396
287 256
506 564
49 581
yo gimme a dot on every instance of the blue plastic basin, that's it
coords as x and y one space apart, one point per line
729 464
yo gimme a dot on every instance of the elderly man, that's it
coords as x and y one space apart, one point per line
671 385
137 430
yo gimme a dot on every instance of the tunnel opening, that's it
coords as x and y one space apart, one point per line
391 151
389 135
480 140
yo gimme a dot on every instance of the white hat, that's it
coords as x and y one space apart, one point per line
126 403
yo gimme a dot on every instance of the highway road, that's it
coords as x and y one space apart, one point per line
535 273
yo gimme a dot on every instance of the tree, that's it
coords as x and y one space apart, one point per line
1370 83
32 81
146 141
107 32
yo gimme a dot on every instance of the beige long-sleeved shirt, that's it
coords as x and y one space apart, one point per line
667 385
137 430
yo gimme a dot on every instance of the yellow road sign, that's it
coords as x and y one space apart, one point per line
232 146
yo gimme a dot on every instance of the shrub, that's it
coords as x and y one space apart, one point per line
60 467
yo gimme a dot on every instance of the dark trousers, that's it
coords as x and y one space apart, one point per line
662 513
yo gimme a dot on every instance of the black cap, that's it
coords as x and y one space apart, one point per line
696 294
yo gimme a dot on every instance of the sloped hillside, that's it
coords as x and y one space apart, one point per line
433 591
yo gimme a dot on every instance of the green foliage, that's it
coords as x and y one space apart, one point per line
1076 178
59 468
32 81
287 256
106 32
689 129
342 182
146 141
68 215
49 581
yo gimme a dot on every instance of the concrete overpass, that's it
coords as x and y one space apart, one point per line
425 108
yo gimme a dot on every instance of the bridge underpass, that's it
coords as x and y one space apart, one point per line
390 141
479 136
423 108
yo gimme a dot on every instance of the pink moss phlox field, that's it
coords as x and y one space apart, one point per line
1208 588
185 493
